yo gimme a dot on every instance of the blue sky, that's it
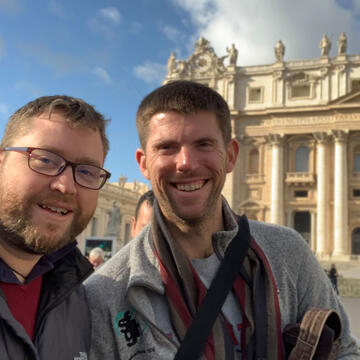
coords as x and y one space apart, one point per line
112 53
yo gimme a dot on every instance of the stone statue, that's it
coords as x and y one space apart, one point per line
122 181
233 54
171 63
342 44
279 50
113 225
325 45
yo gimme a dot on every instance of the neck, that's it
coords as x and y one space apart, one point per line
18 260
196 239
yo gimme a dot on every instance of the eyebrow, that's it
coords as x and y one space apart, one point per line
83 160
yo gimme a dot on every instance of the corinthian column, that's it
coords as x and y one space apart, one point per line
322 194
340 194
277 179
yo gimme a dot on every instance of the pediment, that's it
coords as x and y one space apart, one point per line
350 98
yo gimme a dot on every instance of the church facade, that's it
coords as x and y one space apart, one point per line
298 126
110 227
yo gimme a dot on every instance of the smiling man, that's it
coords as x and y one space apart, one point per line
144 299
51 158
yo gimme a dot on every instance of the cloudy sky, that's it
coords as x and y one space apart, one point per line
112 53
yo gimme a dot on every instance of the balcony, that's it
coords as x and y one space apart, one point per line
255 178
300 178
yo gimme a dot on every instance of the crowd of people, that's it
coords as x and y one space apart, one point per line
141 303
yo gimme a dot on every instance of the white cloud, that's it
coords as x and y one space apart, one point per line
102 74
61 62
151 72
111 13
256 26
170 32
4 109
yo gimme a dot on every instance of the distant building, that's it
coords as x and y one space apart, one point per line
122 195
298 125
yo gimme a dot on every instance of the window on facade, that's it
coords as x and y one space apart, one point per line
299 91
301 194
253 162
255 94
302 224
94 226
302 159
356 192
355 242
357 159
355 84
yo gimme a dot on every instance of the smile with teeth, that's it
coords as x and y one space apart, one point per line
190 187
60 211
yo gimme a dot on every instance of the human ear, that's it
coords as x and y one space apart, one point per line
141 160
232 154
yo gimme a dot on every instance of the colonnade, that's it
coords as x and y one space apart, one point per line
340 215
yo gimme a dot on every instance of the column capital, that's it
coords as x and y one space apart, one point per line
321 137
340 135
274 139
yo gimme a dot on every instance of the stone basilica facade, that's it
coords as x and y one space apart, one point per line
298 126
110 227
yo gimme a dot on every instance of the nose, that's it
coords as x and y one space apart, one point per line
186 159
64 182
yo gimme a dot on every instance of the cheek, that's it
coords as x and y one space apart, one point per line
159 167
88 200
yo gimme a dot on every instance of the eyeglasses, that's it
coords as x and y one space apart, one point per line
48 163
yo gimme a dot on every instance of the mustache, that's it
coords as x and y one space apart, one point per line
66 199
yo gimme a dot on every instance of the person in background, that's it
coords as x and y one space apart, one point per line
51 158
145 298
143 213
96 257
333 276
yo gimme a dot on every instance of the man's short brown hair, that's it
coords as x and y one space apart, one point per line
186 97
77 113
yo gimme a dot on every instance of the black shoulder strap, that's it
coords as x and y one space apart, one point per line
195 338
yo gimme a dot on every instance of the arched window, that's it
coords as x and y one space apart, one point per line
355 242
253 167
302 159
357 159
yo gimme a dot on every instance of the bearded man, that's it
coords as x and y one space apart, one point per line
145 300
51 158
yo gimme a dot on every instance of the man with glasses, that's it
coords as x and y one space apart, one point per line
51 158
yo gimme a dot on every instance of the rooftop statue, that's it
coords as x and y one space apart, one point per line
279 50
325 45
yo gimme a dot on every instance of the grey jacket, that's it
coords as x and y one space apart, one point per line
63 324
127 302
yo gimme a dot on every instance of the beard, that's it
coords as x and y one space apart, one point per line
18 230
171 209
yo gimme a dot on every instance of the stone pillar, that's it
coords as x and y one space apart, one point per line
340 193
277 179
322 194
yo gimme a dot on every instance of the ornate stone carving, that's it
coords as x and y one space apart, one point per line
274 139
279 50
321 137
342 44
202 62
325 45
340 135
